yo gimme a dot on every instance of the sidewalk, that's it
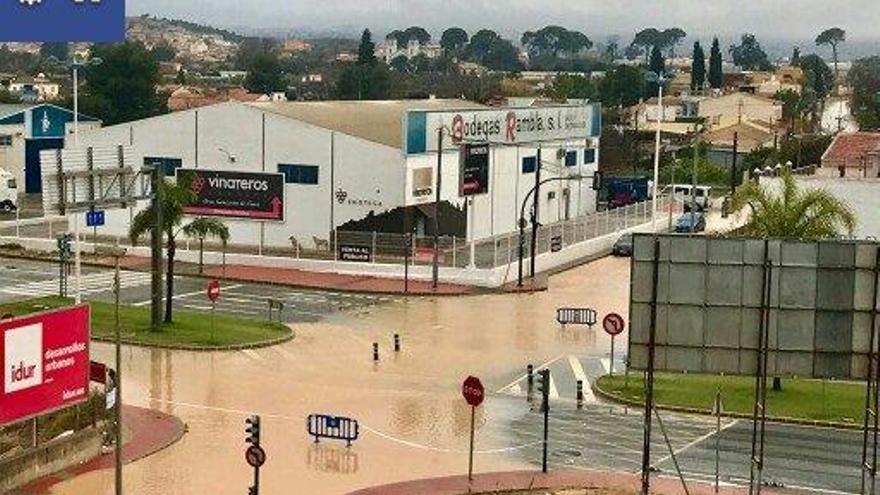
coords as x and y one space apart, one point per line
145 432
302 278
539 483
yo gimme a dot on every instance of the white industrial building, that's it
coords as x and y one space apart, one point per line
345 161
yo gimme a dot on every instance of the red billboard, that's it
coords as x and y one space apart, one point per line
45 360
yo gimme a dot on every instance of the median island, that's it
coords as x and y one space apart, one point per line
189 330
800 400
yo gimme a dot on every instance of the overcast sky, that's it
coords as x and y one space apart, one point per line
772 19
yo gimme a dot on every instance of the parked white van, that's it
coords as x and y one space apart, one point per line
8 191
682 192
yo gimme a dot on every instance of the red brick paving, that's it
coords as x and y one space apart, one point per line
147 432
521 480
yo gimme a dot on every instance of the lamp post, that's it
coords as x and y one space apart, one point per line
74 64
660 79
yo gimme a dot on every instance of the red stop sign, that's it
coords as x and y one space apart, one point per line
472 390
214 290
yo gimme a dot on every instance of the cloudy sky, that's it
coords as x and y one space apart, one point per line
774 19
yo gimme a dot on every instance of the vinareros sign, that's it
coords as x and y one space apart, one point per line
254 196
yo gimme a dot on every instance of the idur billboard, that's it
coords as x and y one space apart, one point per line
45 360
820 300
245 195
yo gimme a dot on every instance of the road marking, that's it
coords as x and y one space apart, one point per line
185 294
252 354
695 442
554 394
94 283
579 374
525 375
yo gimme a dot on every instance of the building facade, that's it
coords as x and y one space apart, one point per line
344 162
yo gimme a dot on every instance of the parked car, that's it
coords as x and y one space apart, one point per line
623 246
683 224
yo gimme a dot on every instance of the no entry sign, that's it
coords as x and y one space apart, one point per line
613 324
255 456
472 390
214 290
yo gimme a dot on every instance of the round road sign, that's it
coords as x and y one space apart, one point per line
255 456
613 324
214 290
472 390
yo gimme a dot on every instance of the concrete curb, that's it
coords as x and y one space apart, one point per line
195 348
611 397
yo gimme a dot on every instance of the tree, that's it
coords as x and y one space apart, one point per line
832 37
123 87
400 64
399 37
647 39
793 213
622 86
367 49
417 33
632 52
573 86
864 78
818 77
203 228
264 74
716 74
698 68
163 52
502 55
59 50
554 41
670 38
454 40
175 196
796 56
481 43
749 55
611 51
656 66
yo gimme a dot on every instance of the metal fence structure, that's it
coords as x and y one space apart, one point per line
417 250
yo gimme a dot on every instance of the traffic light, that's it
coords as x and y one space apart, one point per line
544 386
597 181
253 430
64 249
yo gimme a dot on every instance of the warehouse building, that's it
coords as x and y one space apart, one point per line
348 164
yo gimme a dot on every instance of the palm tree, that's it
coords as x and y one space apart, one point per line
201 228
793 213
174 197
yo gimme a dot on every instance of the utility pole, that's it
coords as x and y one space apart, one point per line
694 183
536 202
656 189
435 270
733 163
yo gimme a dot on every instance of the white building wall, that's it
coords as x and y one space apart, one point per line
364 169
12 157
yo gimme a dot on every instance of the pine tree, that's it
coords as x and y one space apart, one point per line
367 49
715 72
698 68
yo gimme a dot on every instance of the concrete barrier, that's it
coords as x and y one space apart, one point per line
50 457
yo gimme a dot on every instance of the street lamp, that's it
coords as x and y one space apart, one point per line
75 63
659 78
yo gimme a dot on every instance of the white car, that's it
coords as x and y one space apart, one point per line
8 192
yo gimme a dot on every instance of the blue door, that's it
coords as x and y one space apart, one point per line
32 148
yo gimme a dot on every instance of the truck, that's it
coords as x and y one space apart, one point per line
8 192
623 191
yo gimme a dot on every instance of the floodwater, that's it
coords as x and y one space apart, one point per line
414 422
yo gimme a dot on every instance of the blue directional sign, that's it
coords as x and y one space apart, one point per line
62 20
95 218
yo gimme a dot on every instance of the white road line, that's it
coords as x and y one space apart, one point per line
252 354
186 294
696 441
579 374
554 394
520 378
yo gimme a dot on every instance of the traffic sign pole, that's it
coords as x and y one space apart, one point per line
613 325
471 458
473 392
611 366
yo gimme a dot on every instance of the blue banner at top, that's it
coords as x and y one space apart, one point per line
62 20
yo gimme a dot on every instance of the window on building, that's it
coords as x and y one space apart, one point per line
529 164
5 140
299 174
589 155
571 158
169 164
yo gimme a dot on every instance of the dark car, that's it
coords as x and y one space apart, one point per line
683 224
623 246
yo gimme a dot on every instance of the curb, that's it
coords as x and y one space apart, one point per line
195 348
611 397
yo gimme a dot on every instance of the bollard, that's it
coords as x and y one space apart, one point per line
530 381
580 394
396 343
375 351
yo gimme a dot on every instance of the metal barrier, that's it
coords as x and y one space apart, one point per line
333 427
576 316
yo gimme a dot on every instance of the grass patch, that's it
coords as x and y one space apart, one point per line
819 400
188 329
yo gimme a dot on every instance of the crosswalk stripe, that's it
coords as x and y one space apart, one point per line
90 284
554 394
579 374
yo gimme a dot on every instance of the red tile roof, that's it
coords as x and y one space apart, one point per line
850 148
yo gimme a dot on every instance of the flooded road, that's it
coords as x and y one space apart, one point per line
413 420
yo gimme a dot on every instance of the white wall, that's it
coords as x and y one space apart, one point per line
363 169
12 157
497 211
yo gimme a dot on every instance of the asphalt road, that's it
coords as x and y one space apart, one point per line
602 436
21 279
